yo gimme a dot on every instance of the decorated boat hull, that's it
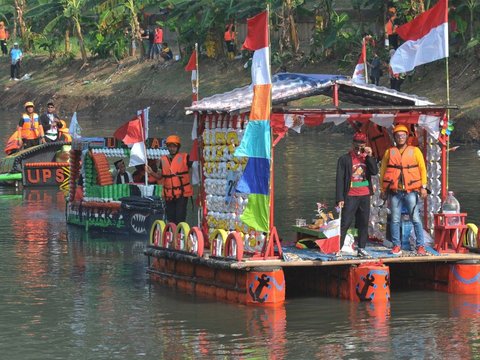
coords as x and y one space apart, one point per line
38 166
95 202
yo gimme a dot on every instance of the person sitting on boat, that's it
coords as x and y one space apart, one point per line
30 128
64 132
174 174
139 173
403 177
353 189
122 176
50 122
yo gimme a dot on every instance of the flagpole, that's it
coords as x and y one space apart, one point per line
271 219
197 80
142 117
448 117
364 47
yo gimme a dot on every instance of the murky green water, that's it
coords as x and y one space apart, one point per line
68 295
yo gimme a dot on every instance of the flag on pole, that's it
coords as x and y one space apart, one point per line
358 76
75 129
192 66
131 132
144 115
194 153
426 39
256 142
192 62
138 154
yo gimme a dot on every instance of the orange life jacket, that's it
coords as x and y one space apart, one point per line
3 33
389 27
404 166
31 127
176 177
378 139
12 144
229 33
64 135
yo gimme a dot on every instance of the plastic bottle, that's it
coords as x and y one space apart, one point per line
451 206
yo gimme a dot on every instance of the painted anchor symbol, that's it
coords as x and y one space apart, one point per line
369 282
263 282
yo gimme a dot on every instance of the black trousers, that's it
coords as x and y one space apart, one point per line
3 45
15 70
29 143
356 208
177 210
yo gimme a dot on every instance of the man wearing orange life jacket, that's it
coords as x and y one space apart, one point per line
403 177
29 128
391 28
3 38
173 172
229 38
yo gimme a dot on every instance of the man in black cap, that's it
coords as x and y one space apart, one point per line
122 176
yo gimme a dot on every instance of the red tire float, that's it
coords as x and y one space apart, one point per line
168 238
195 241
234 246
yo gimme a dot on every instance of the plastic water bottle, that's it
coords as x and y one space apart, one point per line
451 206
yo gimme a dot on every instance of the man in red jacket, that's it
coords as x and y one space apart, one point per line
354 187
157 43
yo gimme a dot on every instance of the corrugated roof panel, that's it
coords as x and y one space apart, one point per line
291 86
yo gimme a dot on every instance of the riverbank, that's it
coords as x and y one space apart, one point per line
104 88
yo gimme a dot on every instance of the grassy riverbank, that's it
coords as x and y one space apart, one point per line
104 88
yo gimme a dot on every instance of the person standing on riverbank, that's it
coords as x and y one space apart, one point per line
3 38
353 189
157 43
16 56
403 177
174 174
375 69
229 38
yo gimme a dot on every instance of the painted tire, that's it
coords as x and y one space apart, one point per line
217 242
195 241
156 232
183 229
470 236
234 246
168 237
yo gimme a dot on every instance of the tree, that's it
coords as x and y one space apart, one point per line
128 10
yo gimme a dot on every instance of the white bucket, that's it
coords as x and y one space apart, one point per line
177 57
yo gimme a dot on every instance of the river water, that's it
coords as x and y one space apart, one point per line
65 294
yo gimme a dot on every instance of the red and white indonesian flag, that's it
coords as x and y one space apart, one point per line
426 39
192 66
358 76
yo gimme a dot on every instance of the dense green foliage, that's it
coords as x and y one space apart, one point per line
114 28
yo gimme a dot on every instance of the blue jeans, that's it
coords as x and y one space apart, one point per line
410 202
